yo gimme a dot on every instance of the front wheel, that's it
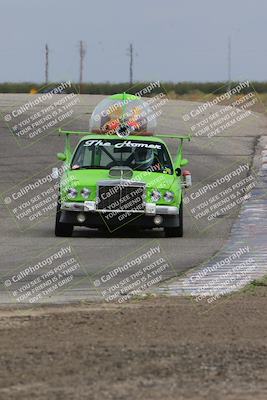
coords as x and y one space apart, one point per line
62 229
176 231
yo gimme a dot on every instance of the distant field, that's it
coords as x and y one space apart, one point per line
260 106
191 89
187 91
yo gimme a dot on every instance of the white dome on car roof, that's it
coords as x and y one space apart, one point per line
123 114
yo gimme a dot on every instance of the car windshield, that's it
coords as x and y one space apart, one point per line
138 155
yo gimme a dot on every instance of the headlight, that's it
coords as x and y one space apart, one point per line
72 193
155 195
85 193
169 196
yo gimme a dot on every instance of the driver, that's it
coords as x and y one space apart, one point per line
143 157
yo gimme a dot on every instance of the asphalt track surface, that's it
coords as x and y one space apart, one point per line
97 251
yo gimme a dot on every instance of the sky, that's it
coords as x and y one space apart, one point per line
174 40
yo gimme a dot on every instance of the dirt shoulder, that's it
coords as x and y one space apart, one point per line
163 348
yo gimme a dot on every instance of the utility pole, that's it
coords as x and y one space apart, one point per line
229 62
82 55
46 63
131 63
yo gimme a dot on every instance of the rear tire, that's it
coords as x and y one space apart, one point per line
64 230
176 231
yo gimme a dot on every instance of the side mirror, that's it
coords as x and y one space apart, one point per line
55 173
184 162
178 171
61 156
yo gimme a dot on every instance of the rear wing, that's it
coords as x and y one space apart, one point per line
178 159
165 136
61 131
67 150
173 136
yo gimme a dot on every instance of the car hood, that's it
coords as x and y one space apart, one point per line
91 177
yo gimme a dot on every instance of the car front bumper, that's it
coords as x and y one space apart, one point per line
86 214
90 206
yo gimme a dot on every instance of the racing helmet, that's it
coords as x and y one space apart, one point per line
144 156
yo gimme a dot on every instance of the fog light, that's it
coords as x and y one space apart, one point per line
158 219
81 218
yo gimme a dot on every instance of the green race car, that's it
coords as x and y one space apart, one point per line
120 174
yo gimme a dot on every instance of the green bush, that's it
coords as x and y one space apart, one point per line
107 88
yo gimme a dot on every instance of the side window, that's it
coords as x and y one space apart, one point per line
78 158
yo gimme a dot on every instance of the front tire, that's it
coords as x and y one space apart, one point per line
177 231
64 230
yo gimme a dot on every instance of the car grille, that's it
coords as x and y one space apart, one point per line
122 196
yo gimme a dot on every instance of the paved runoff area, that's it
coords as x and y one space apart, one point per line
243 258
36 267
